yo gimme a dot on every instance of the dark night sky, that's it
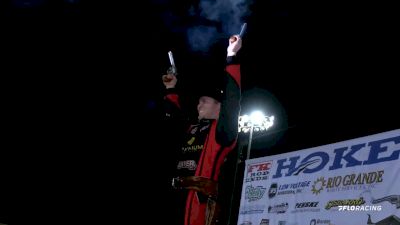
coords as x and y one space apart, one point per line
326 80
333 79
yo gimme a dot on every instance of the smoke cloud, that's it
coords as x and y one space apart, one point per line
201 37
228 12
205 20
227 16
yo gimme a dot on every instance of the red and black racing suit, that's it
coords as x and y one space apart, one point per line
207 142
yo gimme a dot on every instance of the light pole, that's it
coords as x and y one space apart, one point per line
257 121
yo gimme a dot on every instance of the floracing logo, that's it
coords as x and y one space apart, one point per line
258 171
280 208
360 208
344 202
306 207
254 193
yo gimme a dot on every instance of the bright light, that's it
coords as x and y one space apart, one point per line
257 121
257 117
245 118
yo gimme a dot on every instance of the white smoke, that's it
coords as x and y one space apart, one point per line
226 14
201 37
229 12
209 20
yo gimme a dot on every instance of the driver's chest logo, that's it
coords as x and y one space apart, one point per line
190 142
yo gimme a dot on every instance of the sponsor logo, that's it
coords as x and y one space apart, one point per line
193 129
190 142
193 148
187 164
258 171
286 223
264 222
392 199
291 188
319 221
348 182
252 209
306 207
272 190
246 223
279 208
344 202
368 153
254 193
318 185
204 127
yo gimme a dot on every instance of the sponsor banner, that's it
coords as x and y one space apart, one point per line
345 183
